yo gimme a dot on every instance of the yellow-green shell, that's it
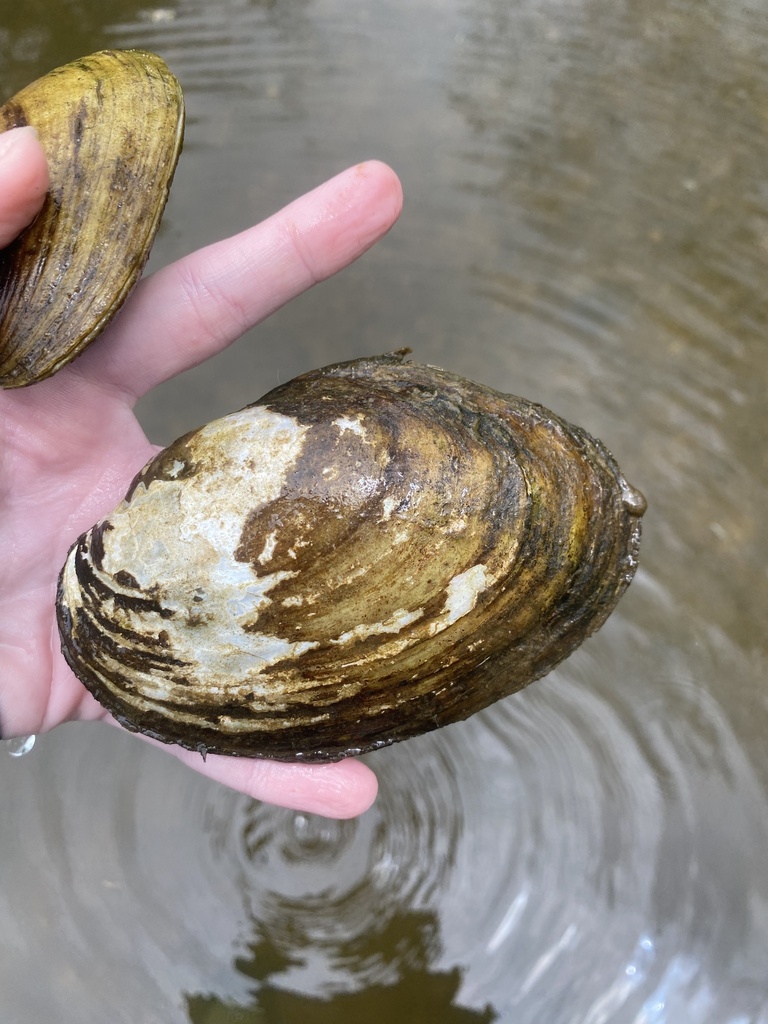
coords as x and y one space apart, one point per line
111 125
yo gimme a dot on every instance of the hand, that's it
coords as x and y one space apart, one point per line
70 445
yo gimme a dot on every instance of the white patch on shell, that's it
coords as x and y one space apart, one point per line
457 525
269 547
389 505
394 624
180 538
347 423
356 573
461 596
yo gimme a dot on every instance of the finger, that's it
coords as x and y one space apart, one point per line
192 309
344 789
23 181
341 790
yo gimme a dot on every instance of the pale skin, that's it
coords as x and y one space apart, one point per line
70 445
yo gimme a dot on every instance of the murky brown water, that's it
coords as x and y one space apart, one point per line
586 224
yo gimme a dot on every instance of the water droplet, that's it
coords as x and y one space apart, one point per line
20 745
634 500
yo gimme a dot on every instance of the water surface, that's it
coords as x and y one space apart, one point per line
586 225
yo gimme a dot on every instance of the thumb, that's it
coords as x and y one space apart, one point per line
23 180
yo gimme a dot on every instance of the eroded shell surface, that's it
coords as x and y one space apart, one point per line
373 550
111 126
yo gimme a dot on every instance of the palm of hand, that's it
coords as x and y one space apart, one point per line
67 449
70 445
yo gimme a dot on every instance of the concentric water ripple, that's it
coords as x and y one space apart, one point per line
540 861
543 841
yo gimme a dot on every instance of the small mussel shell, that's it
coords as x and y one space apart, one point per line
373 550
111 126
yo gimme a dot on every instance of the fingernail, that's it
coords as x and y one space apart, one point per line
10 139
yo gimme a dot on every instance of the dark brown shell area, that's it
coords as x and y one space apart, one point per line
411 480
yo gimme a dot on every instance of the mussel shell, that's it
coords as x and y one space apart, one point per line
111 125
373 550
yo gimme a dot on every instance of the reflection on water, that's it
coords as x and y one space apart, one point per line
416 994
520 836
585 224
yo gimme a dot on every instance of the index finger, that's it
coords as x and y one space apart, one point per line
193 308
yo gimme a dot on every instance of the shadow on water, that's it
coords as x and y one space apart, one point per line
417 995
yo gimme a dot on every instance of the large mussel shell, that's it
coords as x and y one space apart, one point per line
111 125
373 550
